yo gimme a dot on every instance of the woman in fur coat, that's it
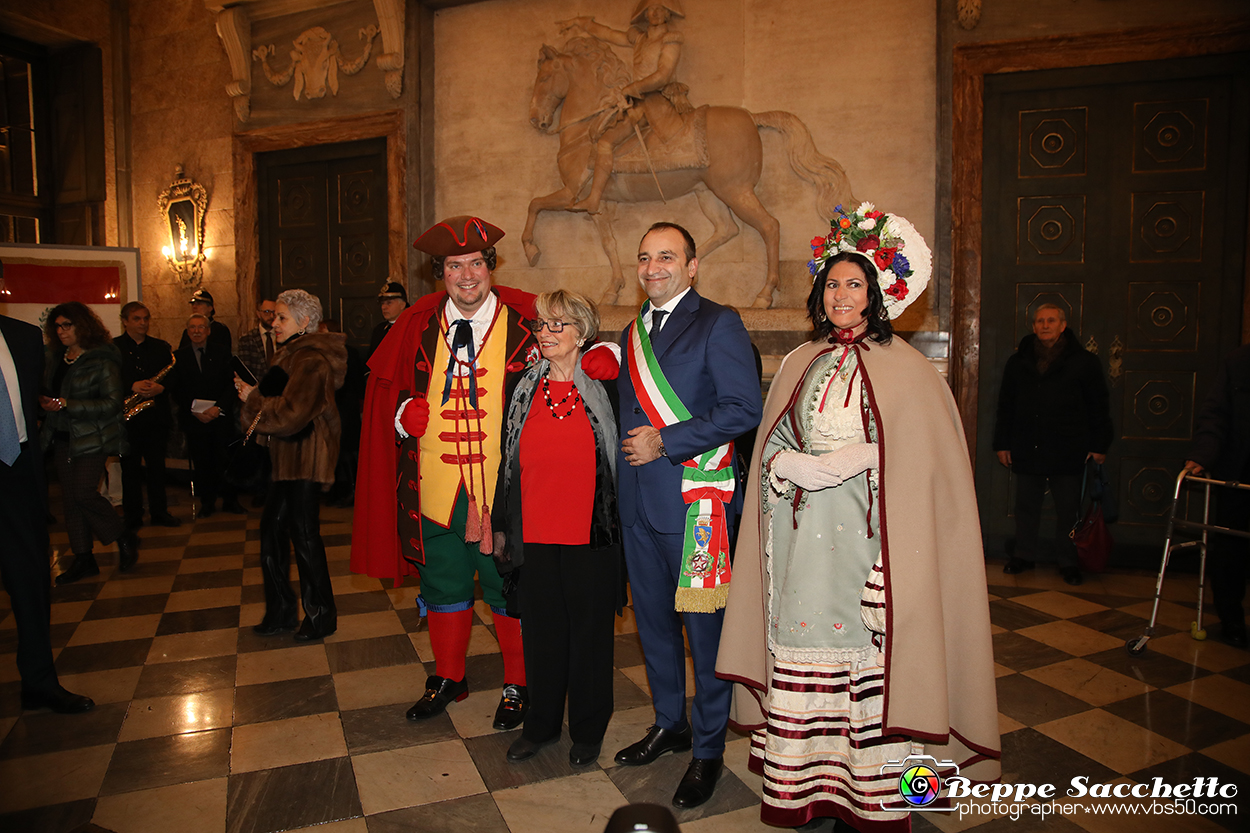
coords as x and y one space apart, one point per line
293 409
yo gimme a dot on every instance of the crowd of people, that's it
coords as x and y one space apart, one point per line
831 592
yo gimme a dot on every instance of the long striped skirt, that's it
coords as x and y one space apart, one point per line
821 750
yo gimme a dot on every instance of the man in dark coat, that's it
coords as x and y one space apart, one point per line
24 563
256 346
206 398
1221 446
143 359
219 334
392 299
1053 415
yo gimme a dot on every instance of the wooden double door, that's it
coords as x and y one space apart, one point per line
1119 193
323 228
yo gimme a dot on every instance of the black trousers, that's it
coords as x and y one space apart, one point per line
1227 558
1030 491
144 466
24 566
88 513
568 600
292 513
207 446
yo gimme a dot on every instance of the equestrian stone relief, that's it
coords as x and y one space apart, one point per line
634 137
316 62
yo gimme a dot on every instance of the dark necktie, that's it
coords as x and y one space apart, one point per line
463 337
268 346
199 358
657 321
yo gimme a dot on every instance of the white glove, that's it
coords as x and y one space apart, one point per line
851 460
804 470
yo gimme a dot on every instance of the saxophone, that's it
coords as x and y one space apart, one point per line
135 403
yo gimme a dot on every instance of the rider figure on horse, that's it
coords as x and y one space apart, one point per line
653 99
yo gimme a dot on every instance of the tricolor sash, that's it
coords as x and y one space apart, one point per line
707 483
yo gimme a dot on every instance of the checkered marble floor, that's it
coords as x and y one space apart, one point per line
202 726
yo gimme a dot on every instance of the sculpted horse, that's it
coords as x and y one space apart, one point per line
586 80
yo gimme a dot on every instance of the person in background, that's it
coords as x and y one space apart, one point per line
256 346
145 358
392 299
555 515
205 399
83 428
348 399
219 334
24 565
1054 413
1221 446
294 407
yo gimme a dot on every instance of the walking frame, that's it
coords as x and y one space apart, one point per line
1137 645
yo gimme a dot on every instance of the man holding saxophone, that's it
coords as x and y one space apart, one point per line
145 361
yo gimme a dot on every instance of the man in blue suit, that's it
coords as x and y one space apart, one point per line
688 386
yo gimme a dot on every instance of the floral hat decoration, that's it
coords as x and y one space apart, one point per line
897 251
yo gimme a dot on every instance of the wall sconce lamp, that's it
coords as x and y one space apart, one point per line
183 206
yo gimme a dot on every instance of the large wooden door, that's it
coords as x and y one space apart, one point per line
323 224
1118 192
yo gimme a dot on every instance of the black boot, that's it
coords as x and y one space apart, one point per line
82 566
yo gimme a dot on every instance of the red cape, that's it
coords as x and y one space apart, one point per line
375 536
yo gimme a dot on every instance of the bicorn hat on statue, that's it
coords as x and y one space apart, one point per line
392 289
202 296
460 235
891 244
640 11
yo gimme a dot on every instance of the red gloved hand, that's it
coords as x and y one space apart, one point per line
416 417
600 364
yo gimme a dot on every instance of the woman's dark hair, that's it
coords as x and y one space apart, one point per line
88 326
880 329
489 254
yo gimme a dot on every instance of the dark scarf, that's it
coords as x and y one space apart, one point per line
1046 355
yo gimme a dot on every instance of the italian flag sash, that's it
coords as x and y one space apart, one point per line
707 484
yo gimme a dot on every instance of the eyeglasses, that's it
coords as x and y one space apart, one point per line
538 324
64 325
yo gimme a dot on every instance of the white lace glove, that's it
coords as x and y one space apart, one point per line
804 470
851 460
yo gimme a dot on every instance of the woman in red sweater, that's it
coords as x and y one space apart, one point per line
555 513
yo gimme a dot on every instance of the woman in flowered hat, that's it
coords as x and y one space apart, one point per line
858 627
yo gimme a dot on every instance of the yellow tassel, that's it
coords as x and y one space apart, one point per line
473 524
488 537
701 600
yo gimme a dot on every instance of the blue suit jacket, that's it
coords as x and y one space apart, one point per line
706 355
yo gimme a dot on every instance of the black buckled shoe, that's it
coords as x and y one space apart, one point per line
699 782
439 691
82 566
513 705
656 743
127 551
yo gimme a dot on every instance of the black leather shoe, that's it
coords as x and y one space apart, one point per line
267 628
1017 565
656 743
1072 576
699 782
439 691
522 749
1234 636
165 519
308 632
233 507
513 705
584 754
127 551
57 699
82 566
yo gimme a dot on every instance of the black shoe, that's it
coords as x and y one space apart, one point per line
584 754
513 705
699 782
1017 565
165 519
82 566
1072 576
522 749
656 743
1233 635
127 551
309 632
59 700
268 628
207 509
233 506
439 691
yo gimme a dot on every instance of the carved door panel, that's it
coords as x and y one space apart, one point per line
323 227
1124 202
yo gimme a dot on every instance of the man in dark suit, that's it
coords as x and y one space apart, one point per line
24 554
219 334
392 300
688 388
206 397
256 346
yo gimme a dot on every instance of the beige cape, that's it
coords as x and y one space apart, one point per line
939 679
